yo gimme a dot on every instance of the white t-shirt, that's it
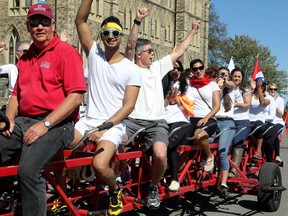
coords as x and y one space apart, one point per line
256 110
107 83
229 113
270 110
240 113
280 105
200 107
12 72
174 113
150 101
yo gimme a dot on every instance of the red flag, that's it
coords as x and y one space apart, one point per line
256 71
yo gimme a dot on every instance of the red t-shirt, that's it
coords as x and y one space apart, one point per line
45 80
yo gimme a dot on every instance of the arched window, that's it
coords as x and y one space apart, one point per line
12 46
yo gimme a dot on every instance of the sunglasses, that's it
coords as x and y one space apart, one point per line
115 33
149 51
197 68
46 22
23 51
177 68
273 89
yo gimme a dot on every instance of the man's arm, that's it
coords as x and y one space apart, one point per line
68 105
132 39
11 113
181 48
84 33
130 97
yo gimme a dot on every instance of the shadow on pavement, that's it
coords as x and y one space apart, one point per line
199 203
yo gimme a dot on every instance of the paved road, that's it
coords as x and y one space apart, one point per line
196 203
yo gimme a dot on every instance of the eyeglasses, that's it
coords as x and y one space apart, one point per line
273 89
198 68
148 51
115 33
46 22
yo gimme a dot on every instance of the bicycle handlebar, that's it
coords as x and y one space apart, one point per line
263 125
154 124
5 120
202 129
104 126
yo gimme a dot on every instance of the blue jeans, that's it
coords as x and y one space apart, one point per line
224 142
242 136
33 159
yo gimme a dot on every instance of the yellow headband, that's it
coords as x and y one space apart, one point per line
112 25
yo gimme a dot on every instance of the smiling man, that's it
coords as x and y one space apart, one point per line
43 107
113 86
150 105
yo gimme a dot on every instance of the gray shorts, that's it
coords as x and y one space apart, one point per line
151 135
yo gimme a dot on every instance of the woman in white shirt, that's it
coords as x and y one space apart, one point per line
256 113
225 120
241 117
175 116
277 120
206 96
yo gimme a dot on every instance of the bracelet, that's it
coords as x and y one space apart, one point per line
137 22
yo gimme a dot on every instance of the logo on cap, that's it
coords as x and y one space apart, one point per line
42 9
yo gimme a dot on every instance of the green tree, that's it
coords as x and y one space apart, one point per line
244 50
217 34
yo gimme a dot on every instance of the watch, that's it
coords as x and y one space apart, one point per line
47 123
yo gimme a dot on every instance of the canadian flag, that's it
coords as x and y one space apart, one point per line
256 71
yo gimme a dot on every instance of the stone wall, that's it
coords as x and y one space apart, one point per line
167 25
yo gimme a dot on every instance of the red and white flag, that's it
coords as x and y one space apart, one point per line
256 71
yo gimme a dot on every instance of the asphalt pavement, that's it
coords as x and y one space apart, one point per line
210 204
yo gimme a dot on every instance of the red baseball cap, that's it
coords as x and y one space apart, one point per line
42 9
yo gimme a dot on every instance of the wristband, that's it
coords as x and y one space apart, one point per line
137 22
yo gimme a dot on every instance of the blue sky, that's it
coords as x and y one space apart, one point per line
263 20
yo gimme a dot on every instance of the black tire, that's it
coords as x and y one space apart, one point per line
269 175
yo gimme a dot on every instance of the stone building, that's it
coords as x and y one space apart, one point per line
166 26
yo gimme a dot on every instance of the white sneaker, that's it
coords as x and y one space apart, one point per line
174 186
278 159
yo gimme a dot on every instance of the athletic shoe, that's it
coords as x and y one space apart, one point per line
115 205
153 198
278 159
223 189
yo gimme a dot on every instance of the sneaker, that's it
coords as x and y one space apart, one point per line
174 186
257 155
57 208
104 187
278 159
153 198
209 164
115 205
6 200
119 181
223 189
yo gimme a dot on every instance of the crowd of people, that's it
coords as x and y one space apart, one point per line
131 90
